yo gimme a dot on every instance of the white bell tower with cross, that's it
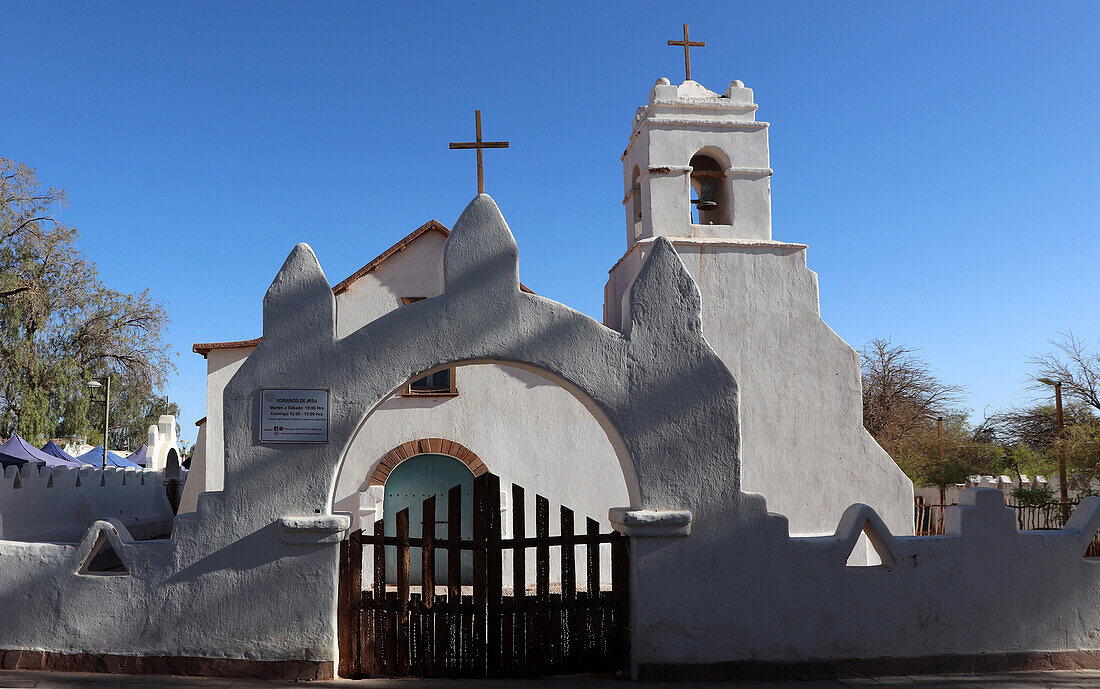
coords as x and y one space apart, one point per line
697 171
697 164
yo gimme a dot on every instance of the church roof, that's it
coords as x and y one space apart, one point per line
430 226
205 348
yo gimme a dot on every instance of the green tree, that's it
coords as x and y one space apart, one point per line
135 413
1031 435
59 324
965 451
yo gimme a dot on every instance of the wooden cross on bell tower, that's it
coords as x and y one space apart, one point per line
479 145
688 45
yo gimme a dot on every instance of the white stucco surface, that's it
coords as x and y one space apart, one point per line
196 476
525 428
415 271
221 365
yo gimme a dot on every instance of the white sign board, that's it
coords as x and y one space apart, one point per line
293 416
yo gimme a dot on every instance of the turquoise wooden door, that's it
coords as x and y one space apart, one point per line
408 485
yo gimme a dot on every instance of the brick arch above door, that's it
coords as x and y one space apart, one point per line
437 446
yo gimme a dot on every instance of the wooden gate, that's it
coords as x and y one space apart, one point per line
487 630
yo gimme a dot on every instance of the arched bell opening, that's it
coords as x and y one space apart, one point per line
636 202
711 202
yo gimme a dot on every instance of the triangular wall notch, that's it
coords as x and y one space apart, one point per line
1092 550
103 560
877 556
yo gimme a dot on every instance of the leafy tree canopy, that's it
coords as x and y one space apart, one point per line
61 326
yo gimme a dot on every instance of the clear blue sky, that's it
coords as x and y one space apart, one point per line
940 158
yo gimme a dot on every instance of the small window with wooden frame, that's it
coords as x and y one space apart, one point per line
438 384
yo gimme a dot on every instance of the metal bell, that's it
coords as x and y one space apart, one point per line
706 197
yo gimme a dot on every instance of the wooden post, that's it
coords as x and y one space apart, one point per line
481 584
494 578
355 599
568 592
454 579
427 587
542 583
518 657
594 628
383 642
403 591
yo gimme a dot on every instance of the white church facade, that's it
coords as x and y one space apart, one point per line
805 447
713 419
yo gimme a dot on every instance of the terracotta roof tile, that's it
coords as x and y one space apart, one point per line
204 348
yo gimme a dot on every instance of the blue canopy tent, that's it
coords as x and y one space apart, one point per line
15 451
138 456
94 457
52 448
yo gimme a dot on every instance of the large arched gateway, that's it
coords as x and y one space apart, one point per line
248 582
655 388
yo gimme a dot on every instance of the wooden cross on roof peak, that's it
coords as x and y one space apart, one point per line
479 145
688 45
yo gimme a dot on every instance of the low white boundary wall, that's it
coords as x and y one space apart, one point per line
59 504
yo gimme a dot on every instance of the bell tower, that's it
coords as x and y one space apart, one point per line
697 165
697 172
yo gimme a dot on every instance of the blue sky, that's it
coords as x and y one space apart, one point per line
940 158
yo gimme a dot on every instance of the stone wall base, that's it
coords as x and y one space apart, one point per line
166 665
870 667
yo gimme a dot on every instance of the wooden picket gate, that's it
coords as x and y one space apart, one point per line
488 631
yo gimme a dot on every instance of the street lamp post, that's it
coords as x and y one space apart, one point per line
939 434
94 384
1062 488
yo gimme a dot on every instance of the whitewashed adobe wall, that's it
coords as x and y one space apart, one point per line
525 428
717 584
59 504
221 366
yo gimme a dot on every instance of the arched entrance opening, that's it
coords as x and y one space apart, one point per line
519 423
651 406
414 480
533 535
